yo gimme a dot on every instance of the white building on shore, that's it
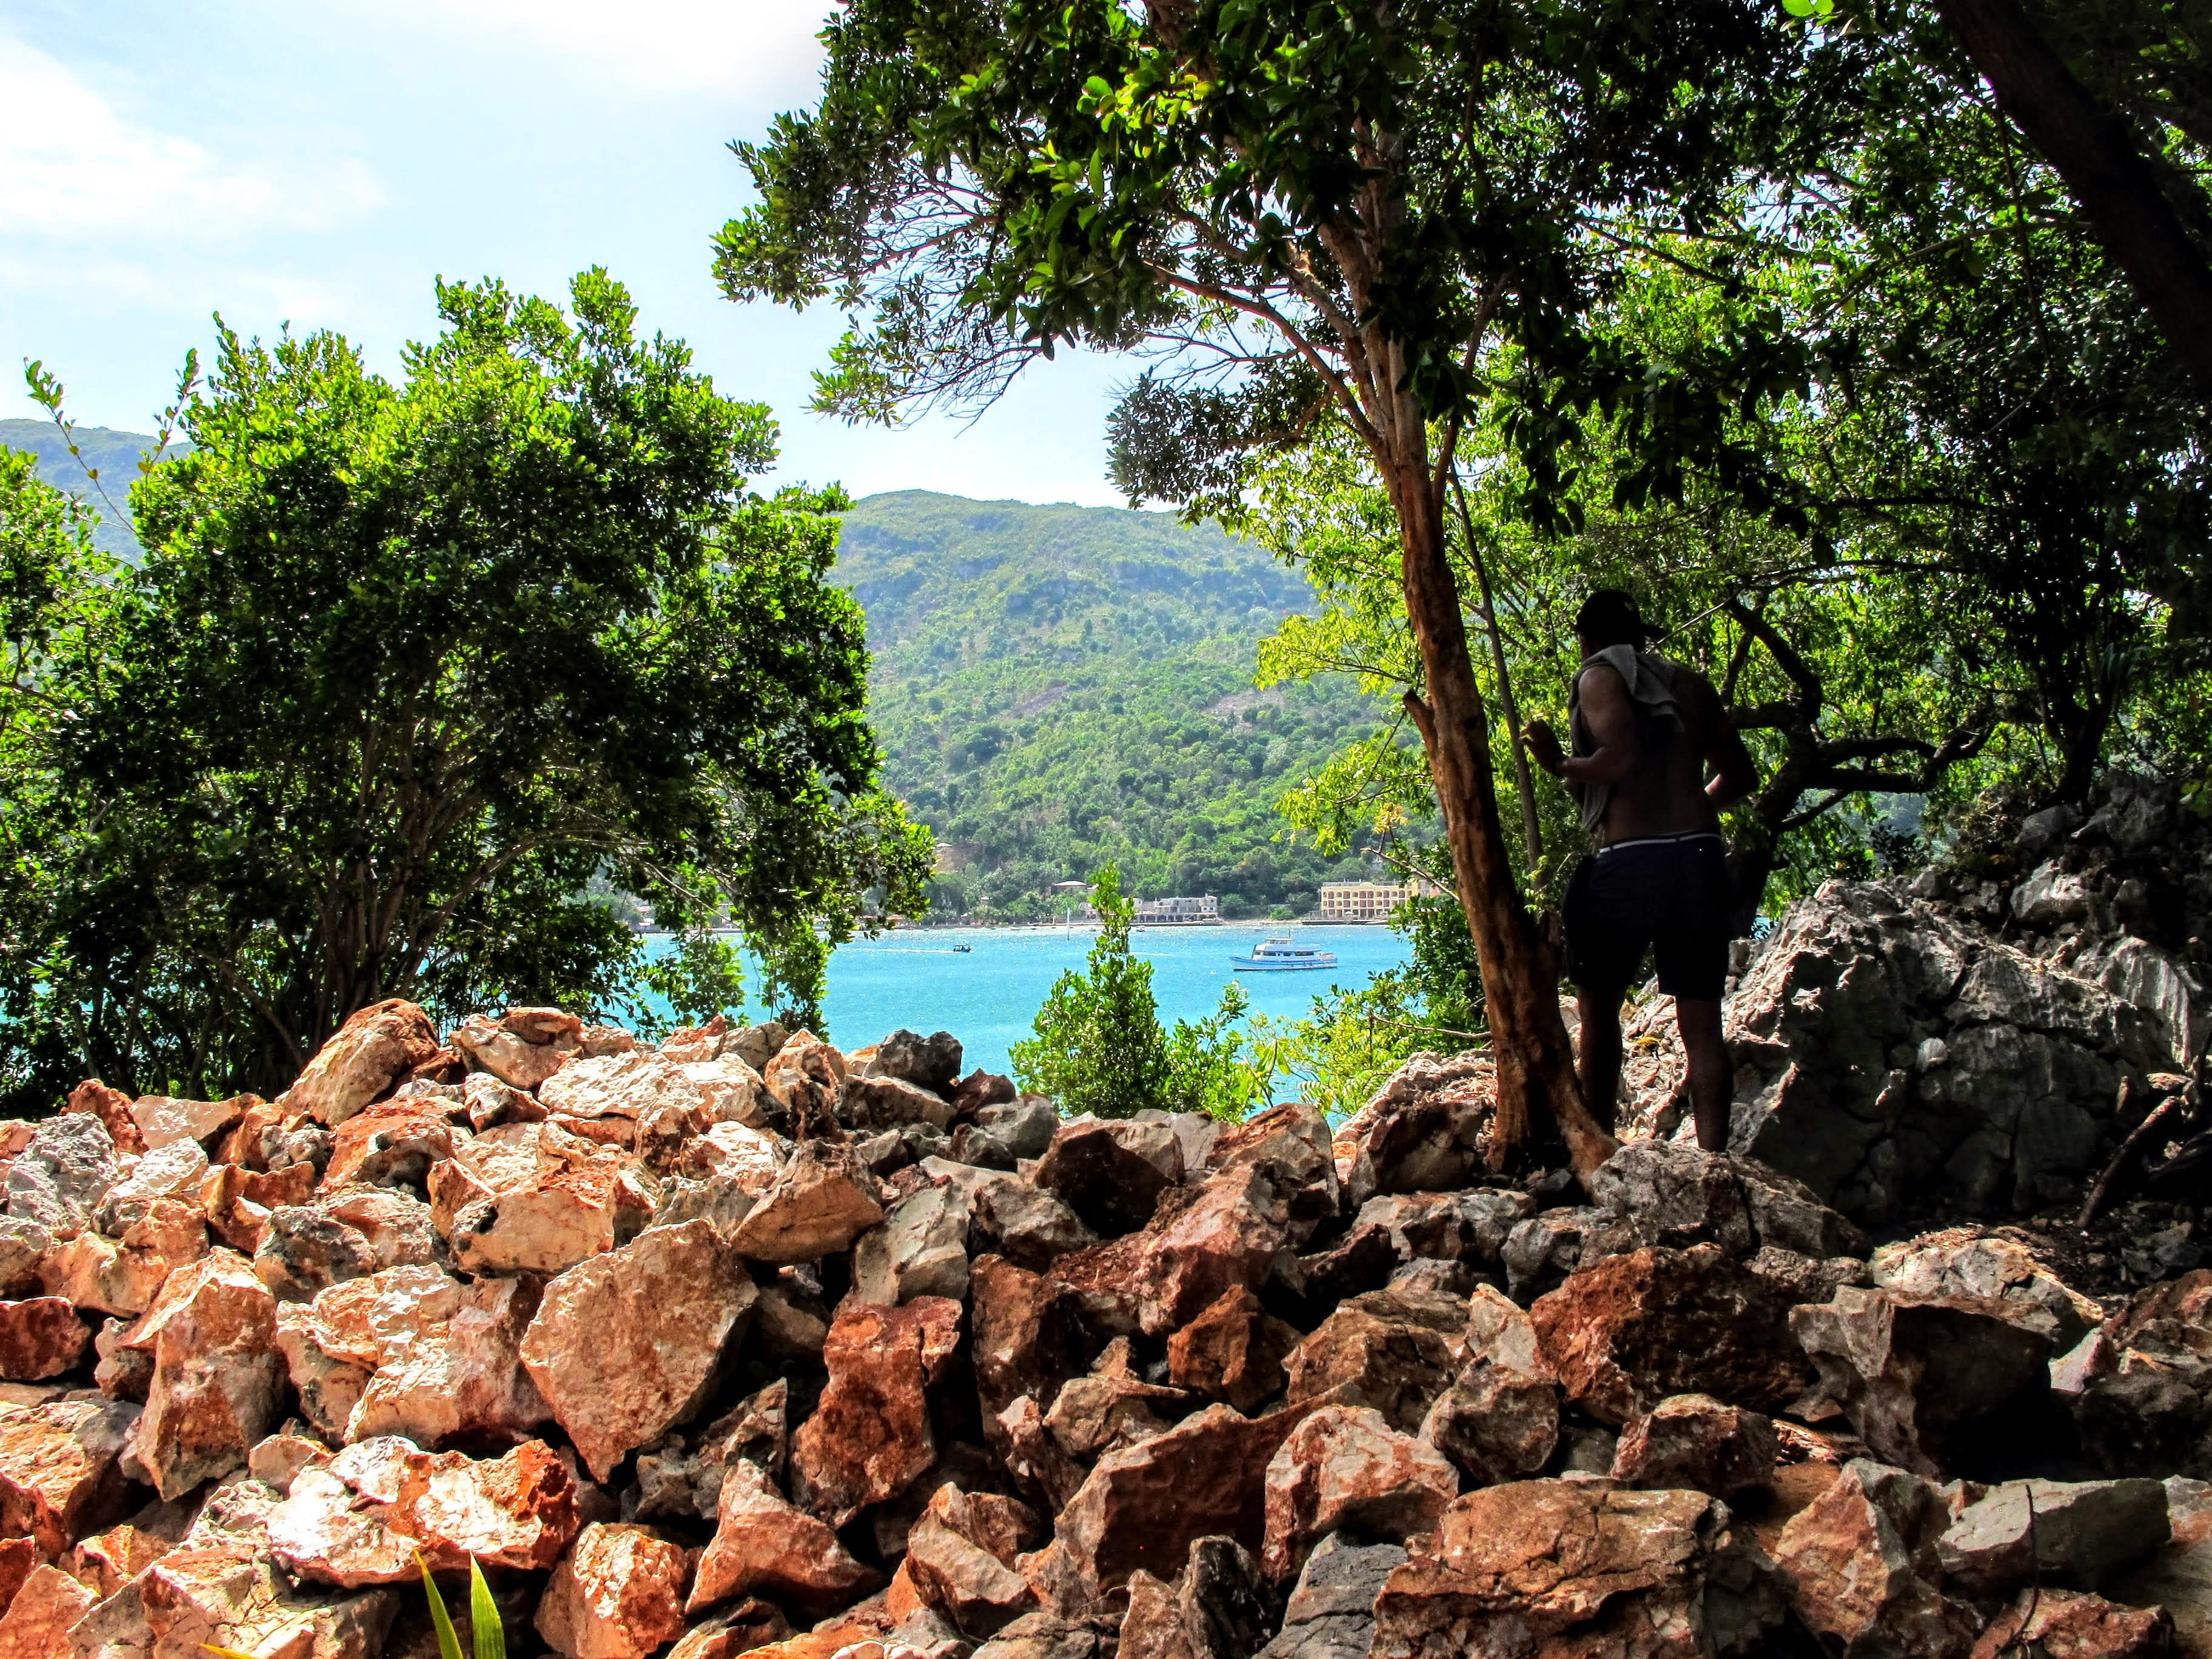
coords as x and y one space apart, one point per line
1172 911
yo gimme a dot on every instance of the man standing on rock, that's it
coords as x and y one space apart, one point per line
1644 729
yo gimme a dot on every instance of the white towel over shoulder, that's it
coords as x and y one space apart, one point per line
1649 678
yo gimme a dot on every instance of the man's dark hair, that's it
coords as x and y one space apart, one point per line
1609 617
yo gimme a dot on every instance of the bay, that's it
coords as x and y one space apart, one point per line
988 995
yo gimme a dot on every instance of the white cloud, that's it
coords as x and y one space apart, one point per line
73 168
757 51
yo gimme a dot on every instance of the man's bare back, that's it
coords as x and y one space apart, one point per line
1661 788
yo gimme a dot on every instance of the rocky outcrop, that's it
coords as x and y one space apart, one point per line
1891 1053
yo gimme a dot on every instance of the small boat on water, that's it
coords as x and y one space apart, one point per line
1282 956
964 950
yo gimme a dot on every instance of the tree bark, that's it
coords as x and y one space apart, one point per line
1520 984
2096 155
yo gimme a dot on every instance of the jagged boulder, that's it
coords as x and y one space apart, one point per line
623 1344
1625 1335
1561 1567
371 1052
1888 1054
1913 1372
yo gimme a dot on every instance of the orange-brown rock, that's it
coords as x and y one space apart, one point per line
533 1198
960 1558
807 1076
734 1631
442 1357
617 1593
122 1276
371 1052
113 1107
869 1437
1233 1351
39 1338
2058 1624
623 1346
18 1558
1496 1422
1623 1335
522 1048
106 1561
176 1172
1694 1441
763 1546
1111 1174
1358 1357
274 1188
276 1460
1345 1467
1203 1241
361 1520
396 1139
1029 1338
1142 1506
821 1202
59 1474
1152 1627
165 1121
1553 1568
1112 1407
1852 1562
246 1142
38 1622
220 1586
217 1373
305 1248
236 1220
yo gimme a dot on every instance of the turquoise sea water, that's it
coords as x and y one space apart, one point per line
989 997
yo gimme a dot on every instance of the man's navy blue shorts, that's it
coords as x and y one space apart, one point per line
1669 897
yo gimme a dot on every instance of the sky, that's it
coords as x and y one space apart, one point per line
317 165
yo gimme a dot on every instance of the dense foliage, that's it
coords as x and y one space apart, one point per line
1056 688
404 666
1098 1047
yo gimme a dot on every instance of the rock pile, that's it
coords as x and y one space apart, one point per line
745 1344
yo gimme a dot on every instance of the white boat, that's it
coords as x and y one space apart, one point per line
1281 956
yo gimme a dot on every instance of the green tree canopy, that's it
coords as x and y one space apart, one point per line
407 665
1342 206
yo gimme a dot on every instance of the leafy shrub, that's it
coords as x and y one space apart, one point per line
1099 1046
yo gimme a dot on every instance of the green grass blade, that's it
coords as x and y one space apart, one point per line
484 1616
449 1643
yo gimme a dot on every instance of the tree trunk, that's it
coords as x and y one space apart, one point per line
1520 983
2096 155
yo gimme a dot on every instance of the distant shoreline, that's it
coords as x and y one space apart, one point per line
1254 925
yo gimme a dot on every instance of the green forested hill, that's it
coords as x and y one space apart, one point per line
1055 687
114 453
1058 686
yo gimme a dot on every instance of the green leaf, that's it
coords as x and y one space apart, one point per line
484 1616
449 1643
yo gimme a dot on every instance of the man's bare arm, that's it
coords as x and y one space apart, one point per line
1734 773
1611 718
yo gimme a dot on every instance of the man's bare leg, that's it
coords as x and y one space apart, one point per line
1712 1074
1598 1061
